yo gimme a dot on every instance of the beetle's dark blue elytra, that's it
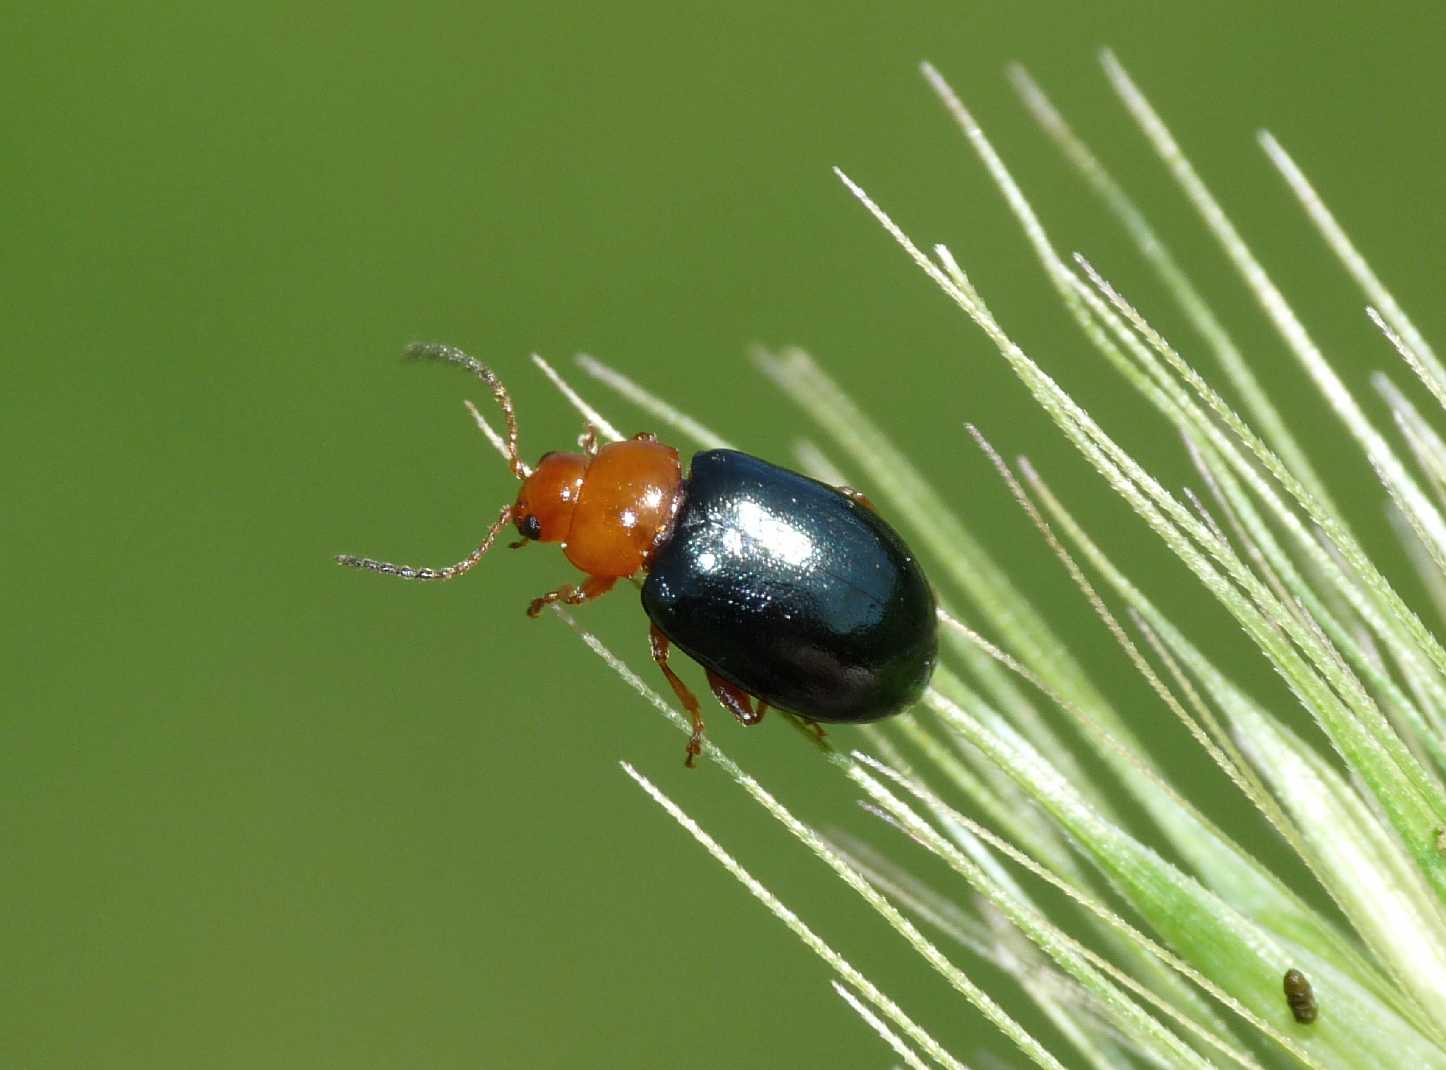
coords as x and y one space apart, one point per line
789 592
794 592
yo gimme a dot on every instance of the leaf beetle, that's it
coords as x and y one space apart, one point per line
789 592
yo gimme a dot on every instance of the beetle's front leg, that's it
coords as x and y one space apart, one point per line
572 595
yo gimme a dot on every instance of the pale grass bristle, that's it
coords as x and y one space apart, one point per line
605 430
488 431
651 404
874 1022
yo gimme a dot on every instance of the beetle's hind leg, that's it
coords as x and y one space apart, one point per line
735 700
858 497
658 642
810 729
572 595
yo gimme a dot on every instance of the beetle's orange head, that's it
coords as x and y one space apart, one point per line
543 510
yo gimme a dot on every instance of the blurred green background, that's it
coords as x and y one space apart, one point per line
258 811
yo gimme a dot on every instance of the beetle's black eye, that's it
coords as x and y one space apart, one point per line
531 527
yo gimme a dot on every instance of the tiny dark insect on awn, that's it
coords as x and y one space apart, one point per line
1300 996
789 592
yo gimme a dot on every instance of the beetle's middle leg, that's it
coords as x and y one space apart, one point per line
658 642
735 700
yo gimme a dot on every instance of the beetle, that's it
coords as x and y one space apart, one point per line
789 592
1300 997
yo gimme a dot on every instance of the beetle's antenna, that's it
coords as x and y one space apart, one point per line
453 355
492 436
451 572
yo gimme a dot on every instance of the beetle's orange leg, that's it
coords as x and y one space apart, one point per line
735 700
588 441
858 497
815 728
571 595
658 642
